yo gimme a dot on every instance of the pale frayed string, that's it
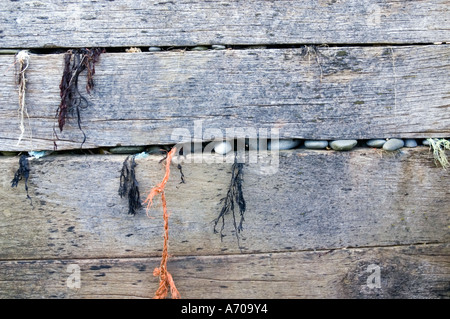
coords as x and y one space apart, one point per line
439 146
23 59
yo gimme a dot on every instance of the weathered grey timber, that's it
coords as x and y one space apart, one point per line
416 271
48 23
364 223
308 92
308 200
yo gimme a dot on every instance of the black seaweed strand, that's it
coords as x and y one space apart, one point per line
235 197
180 168
129 186
72 101
23 172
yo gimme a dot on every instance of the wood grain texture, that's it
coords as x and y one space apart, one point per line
311 200
119 23
416 271
309 92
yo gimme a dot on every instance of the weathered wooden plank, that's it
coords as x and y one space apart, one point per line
418 271
30 24
316 93
299 201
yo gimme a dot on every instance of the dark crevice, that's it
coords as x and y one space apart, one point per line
60 50
160 149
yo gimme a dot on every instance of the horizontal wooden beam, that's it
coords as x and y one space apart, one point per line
31 24
295 201
417 271
308 92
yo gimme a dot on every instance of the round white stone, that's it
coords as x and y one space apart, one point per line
222 147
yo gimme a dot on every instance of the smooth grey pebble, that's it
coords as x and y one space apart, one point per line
393 144
377 143
286 144
343 145
410 143
199 48
316 144
154 49
218 47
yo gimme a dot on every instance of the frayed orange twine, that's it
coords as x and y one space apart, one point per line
165 278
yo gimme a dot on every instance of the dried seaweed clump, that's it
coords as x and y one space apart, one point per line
129 186
233 198
439 146
72 101
23 172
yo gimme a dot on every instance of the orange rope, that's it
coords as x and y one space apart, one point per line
165 278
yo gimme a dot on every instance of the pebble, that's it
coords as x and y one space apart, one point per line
218 47
154 49
313 144
223 147
410 143
127 149
343 145
285 144
393 144
199 48
378 143
426 142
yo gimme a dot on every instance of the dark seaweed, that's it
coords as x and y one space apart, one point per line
72 101
23 172
129 186
180 168
234 198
